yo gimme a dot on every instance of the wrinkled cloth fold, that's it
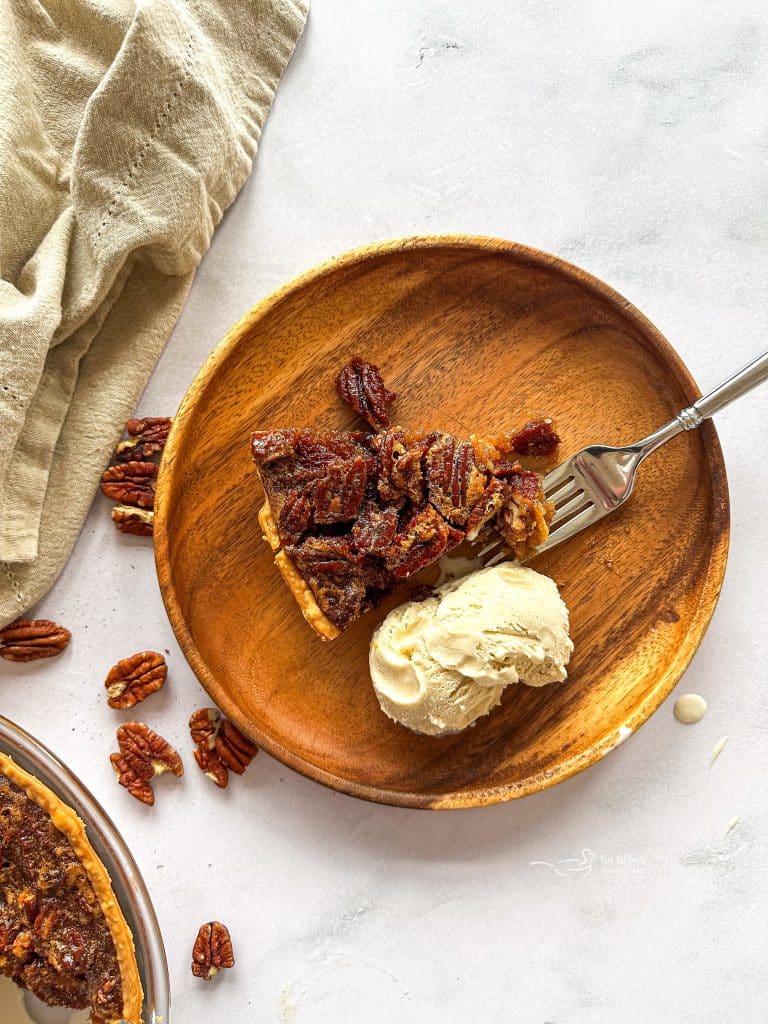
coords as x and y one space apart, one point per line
126 129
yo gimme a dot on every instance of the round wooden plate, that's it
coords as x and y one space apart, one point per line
473 334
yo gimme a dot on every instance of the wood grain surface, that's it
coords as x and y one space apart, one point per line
474 335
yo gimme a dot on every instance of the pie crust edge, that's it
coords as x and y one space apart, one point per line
304 597
67 822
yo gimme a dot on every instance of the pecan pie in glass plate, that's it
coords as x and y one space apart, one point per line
64 934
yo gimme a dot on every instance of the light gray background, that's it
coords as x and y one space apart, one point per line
630 138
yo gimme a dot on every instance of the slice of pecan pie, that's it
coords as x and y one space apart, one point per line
350 514
62 933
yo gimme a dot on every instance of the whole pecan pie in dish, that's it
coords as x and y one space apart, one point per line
62 933
350 514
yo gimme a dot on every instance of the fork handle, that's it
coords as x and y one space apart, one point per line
754 373
745 380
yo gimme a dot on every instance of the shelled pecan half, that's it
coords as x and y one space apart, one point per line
360 385
143 755
147 437
132 483
138 521
212 951
134 679
31 639
221 747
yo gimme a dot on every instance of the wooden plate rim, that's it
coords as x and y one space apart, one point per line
480 797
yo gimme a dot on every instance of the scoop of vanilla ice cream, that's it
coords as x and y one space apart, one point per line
440 664
506 624
412 687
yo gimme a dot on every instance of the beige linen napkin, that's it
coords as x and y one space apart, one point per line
126 129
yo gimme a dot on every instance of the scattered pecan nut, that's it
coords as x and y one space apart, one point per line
221 747
147 438
134 679
30 639
212 951
143 755
138 521
132 483
360 385
210 764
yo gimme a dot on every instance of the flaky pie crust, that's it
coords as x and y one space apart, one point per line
305 599
67 822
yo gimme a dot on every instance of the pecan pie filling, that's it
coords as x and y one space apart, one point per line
353 513
62 935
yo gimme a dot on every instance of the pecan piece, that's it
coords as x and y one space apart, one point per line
143 755
536 437
519 480
424 538
210 764
234 749
375 529
204 726
132 483
138 521
270 445
134 679
212 951
337 495
147 438
295 516
400 465
30 639
221 747
523 523
454 479
486 508
360 385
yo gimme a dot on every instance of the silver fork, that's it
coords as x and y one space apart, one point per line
598 479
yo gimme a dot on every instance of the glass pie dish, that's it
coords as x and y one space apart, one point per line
127 883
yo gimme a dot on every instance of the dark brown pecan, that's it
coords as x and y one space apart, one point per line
537 437
132 483
360 385
30 639
234 749
400 463
424 537
147 438
212 951
375 529
143 755
138 521
134 679
295 517
519 480
270 445
454 479
221 747
337 494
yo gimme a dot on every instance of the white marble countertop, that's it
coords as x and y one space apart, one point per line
629 138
